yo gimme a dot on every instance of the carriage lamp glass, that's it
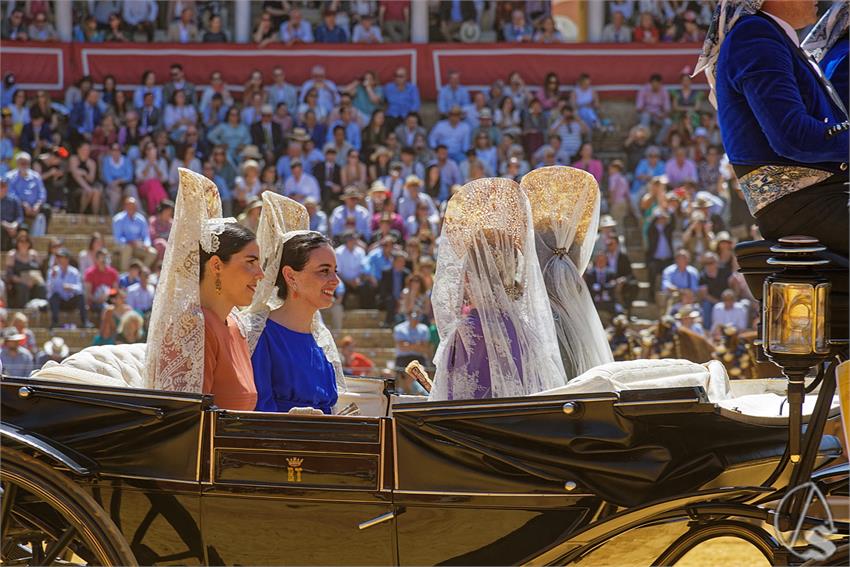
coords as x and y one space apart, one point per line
795 316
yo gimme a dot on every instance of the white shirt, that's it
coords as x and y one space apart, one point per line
736 316
350 262
307 186
786 27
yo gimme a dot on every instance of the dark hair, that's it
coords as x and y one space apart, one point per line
232 240
296 254
165 204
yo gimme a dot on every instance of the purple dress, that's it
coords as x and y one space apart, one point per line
469 361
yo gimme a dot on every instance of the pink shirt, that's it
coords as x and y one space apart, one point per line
593 167
653 102
618 188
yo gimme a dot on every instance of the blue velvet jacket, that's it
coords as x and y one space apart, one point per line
835 68
772 108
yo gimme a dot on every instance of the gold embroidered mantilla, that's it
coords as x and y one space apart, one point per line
768 183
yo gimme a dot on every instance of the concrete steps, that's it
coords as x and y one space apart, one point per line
362 318
72 224
76 339
73 242
368 338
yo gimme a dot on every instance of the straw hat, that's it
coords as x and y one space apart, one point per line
56 347
413 180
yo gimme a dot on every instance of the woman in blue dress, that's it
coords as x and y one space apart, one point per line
295 361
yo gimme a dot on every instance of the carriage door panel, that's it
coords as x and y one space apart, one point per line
483 479
297 490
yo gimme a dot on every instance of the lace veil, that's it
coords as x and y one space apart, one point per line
281 219
489 298
175 345
565 212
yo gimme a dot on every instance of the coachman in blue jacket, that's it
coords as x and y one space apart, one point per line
784 125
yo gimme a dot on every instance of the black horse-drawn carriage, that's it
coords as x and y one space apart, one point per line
118 476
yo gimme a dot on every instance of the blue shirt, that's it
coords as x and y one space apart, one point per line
57 279
285 93
643 168
377 262
139 96
416 333
27 187
291 370
319 222
304 33
352 133
11 209
673 277
455 138
450 97
110 171
401 102
325 35
127 229
361 216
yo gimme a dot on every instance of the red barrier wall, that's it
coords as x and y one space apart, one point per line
615 68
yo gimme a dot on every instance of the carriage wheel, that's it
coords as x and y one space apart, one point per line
45 518
753 535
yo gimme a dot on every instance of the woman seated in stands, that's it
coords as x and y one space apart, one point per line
490 305
131 329
295 361
211 265
111 317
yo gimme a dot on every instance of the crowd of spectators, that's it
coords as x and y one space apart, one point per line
354 21
654 21
373 175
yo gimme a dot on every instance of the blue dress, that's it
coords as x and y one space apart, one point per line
291 370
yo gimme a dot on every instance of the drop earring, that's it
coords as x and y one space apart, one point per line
218 284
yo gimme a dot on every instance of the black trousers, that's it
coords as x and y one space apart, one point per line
819 211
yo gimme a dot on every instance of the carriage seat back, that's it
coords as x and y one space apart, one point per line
118 366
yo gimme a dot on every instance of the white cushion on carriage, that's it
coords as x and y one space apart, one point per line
647 374
120 366
367 393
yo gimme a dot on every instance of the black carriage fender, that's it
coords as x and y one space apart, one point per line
56 453
578 544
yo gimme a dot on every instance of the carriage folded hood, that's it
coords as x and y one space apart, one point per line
627 452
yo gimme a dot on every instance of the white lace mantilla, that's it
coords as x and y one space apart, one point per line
175 347
565 208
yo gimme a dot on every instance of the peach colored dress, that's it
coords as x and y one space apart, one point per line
227 364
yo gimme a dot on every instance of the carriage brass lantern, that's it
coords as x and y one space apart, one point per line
796 319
